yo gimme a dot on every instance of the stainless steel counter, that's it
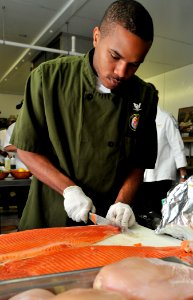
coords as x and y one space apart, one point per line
14 182
20 187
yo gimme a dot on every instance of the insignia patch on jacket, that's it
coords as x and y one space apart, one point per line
136 106
133 121
134 118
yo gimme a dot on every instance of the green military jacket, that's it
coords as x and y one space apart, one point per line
93 138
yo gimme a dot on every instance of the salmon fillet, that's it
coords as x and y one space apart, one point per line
29 243
78 258
55 250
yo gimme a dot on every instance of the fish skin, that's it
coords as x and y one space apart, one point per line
78 258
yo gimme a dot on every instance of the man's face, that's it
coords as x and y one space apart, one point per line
117 55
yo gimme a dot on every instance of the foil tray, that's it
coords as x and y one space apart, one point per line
55 283
58 282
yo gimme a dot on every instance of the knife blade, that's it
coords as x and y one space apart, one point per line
98 220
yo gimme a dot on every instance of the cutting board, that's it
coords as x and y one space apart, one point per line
143 235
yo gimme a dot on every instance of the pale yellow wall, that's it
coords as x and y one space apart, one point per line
175 89
8 105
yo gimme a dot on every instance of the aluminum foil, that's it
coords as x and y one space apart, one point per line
177 212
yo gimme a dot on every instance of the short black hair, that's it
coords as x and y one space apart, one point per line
131 15
18 106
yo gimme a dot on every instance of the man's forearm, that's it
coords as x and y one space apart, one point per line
10 148
130 186
182 174
45 171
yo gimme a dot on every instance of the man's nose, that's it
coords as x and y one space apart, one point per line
125 70
120 69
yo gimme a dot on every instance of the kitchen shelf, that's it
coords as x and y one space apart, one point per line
187 139
189 167
189 142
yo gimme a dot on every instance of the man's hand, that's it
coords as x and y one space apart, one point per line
77 204
121 215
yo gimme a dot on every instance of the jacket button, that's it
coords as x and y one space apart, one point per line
89 97
111 144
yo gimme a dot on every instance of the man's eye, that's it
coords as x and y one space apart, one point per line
114 56
135 65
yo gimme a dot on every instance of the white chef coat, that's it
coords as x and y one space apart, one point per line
171 152
2 137
19 163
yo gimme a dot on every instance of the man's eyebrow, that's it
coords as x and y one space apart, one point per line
134 62
116 52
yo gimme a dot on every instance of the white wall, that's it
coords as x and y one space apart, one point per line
8 104
175 89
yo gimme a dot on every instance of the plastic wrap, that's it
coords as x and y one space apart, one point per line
177 212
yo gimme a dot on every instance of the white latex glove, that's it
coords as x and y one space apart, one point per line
77 204
121 215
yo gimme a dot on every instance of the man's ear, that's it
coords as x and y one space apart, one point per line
96 36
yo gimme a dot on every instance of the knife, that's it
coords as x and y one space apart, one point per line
98 220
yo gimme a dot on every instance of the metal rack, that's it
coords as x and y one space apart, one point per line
189 142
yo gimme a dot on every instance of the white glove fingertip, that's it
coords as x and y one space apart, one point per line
93 209
131 220
84 217
74 217
84 214
77 219
128 218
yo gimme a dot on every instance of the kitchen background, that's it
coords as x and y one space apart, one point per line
27 26
67 25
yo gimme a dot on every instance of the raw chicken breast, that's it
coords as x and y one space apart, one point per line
33 294
147 279
89 294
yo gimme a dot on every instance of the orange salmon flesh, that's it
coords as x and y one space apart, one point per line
55 250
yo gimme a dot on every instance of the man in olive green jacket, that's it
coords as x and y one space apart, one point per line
87 126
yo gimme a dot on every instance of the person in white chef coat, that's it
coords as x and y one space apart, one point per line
11 149
170 166
3 153
20 193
